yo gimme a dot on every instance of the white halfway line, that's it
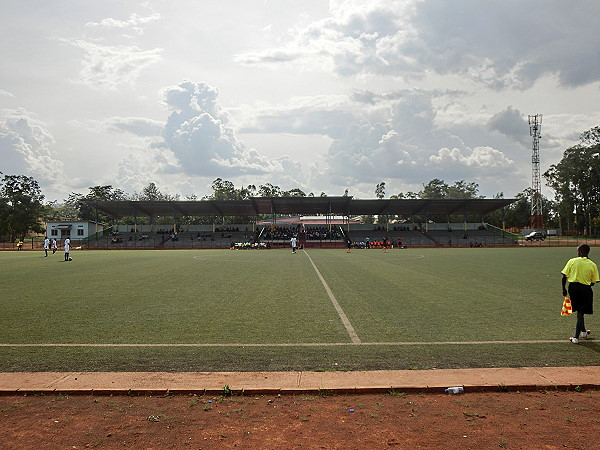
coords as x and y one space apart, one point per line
349 328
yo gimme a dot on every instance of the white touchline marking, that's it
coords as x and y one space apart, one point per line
349 328
289 344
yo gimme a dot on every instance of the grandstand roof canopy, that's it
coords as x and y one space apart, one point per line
347 206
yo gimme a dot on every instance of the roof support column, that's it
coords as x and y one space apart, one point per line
96 215
134 215
273 219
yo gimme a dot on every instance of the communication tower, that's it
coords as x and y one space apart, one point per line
537 217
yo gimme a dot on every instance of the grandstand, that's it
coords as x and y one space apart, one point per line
323 236
157 237
329 232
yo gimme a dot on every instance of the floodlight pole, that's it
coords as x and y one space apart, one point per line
537 217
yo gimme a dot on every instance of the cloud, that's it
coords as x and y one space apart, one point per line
197 145
139 126
398 136
327 114
484 159
107 67
497 43
108 63
510 123
25 147
200 139
140 167
134 23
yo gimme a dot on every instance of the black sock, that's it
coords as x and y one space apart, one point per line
580 324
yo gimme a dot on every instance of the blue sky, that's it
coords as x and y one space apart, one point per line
324 96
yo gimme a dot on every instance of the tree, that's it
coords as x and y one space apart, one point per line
575 181
223 190
64 211
380 190
296 192
152 193
436 188
408 195
380 194
247 192
21 206
268 190
462 189
518 214
97 193
591 137
439 189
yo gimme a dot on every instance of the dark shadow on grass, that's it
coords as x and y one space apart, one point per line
591 345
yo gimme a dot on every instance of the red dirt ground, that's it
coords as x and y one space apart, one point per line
515 420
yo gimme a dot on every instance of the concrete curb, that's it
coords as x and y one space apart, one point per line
289 383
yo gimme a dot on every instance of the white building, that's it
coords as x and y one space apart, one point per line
72 229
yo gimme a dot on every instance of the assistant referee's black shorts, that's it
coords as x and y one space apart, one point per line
582 298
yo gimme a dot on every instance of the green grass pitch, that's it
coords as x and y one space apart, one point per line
215 310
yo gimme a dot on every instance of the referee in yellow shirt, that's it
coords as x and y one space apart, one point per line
581 273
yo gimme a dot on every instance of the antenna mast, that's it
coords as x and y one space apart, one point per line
537 217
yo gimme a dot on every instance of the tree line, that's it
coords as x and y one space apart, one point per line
575 182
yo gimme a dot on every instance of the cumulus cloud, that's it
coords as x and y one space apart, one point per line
26 147
485 159
200 138
398 137
197 141
498 43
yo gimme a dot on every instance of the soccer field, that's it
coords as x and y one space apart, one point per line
273 310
